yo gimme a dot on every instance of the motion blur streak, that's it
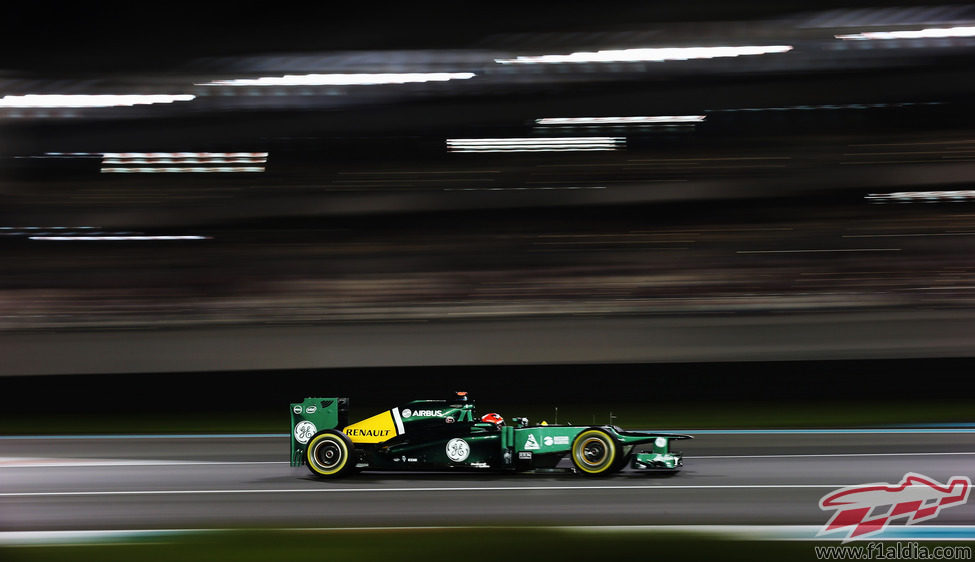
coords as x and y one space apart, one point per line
535 144
620 120
183 170
343 79
930 33
115 238
921 196
81 100
124 155
182 161
649 55
122 162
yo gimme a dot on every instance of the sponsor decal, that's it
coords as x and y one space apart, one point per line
557 440
422 413
480 465
531 444
458 450
304 431
311 410
376 429
296 409
866 509
449 420
356 432
525 455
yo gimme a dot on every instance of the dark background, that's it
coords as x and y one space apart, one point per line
280 227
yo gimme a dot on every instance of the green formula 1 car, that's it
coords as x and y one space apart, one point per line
448 435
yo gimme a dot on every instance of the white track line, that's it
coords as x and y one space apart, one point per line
761 532
431 489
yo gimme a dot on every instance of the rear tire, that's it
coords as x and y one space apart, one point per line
595 453
329 454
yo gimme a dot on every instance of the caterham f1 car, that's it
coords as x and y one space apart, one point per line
448 435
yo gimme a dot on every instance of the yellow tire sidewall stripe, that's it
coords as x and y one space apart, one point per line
311 448
612 450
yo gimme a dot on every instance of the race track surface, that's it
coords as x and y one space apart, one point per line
181 482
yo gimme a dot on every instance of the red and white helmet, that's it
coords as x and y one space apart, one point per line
494 418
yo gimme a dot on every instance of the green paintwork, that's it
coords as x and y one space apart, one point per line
322 413
442 424
670 461
544 439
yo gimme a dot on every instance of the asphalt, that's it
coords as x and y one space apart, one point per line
218 481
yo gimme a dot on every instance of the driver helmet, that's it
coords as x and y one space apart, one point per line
494 418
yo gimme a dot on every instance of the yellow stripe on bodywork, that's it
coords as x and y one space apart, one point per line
372 430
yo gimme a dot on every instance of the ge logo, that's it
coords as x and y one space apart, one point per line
304 431
458 450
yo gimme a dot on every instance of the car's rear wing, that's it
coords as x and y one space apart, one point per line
311 416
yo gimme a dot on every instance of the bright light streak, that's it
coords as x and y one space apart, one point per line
921 196
831 106
344 79
123 162
547 188
179 170
65 155
649 55
115 238
183 161
929 33
82 100
636 120
48 227
551 144
185 154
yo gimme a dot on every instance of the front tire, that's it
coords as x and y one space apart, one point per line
595 453
329 454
